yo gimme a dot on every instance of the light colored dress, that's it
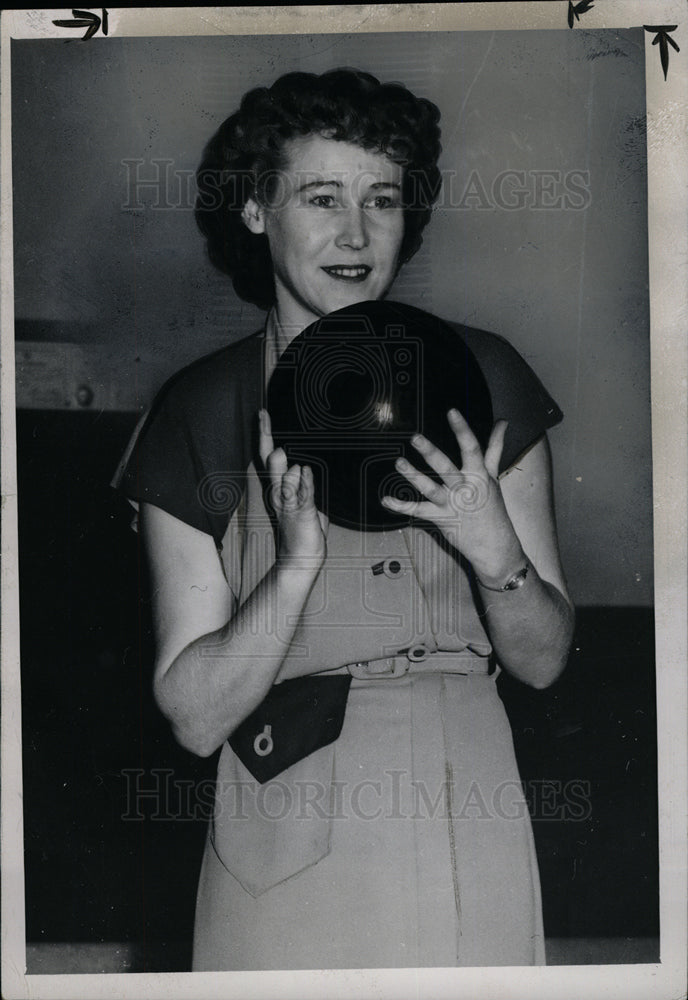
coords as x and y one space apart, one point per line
407 842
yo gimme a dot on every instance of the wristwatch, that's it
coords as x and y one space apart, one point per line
515 581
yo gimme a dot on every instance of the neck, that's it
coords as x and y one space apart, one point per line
282 333
292 315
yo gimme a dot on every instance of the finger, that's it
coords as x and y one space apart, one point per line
289 488
495 447
471 452
432 491
306 488
414 508
276 463
435 458
266 444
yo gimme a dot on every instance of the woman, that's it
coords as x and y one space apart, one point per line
405 841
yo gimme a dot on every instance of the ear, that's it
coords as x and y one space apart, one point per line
253 217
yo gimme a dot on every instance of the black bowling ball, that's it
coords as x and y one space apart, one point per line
350 391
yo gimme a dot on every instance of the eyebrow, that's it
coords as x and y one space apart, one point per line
338 184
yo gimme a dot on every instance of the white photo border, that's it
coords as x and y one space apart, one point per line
667 149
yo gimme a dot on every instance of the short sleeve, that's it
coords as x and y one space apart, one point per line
517 394
190 453
161 465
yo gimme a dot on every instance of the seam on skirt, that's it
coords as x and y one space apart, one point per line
449 778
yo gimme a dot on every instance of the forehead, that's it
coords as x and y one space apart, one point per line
316 156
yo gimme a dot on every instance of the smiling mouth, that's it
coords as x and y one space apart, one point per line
355 273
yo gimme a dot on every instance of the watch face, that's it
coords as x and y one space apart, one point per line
517 580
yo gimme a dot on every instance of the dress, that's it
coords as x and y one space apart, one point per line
407 841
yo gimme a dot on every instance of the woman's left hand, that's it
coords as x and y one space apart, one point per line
467 505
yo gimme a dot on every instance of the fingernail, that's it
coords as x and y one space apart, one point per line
402 463
453 413
417 439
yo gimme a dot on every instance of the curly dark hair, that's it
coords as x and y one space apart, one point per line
243 157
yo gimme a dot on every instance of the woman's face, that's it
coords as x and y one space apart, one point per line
334 226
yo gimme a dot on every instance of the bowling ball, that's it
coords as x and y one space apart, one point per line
350 391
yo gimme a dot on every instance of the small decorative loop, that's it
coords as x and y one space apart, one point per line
390 567
417 653
263 745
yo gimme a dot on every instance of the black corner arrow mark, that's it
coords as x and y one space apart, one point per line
664 40
575 10
86 19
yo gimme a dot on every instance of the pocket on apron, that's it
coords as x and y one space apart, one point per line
266 833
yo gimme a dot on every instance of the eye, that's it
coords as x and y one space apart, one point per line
382 201
323 201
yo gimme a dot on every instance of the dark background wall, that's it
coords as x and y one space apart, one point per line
113 292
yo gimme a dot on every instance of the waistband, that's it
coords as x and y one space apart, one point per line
420 660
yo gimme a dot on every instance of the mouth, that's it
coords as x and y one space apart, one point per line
353 273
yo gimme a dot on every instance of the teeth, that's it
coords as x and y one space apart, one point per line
349 272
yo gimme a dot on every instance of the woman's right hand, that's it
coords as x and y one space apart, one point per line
216 657
302 527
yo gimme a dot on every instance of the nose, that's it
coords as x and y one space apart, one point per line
353 231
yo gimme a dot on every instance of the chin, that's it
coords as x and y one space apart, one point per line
350 296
